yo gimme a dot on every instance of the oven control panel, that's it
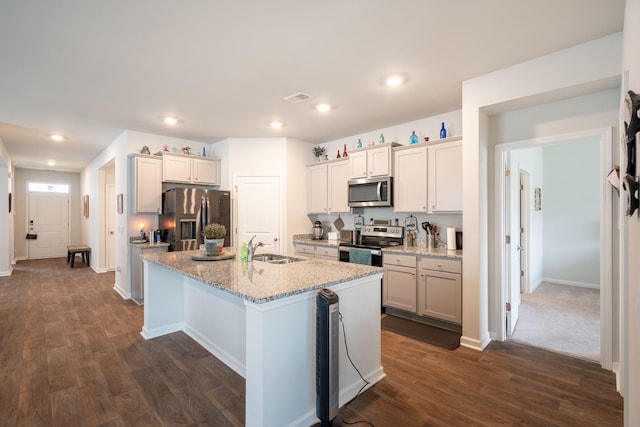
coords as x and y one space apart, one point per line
387 231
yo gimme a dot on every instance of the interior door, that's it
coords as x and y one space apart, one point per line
512 243
259 211
524 231
111 227
49 220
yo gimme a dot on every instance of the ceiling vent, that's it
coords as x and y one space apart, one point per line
297 98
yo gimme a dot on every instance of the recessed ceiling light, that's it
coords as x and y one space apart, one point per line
276 124
323 108
57 137
394 80
51 163
170 120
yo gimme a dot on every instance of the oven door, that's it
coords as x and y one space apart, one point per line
376 256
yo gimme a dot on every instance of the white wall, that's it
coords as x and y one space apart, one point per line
6 219
571 206
560 74
21 199
400 133
630 236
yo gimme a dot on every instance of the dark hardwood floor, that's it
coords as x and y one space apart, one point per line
71 354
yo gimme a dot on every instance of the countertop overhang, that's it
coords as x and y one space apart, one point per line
261 282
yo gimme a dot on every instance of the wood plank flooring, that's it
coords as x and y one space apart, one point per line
71 354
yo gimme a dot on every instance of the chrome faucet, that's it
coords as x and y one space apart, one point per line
252 248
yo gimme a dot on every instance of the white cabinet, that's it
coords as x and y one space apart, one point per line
137 270
371 162
189 170
146 184
399 282
440 289
445 177
317 251
327 187
410 182
428 177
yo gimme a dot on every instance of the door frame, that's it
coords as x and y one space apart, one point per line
605 136
525 225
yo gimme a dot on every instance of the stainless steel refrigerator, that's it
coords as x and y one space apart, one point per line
185 212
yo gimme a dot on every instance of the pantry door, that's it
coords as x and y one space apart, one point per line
48 219
258 211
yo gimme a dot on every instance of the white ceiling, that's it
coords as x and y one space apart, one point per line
91 69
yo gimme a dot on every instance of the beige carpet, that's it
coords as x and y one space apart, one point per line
560 318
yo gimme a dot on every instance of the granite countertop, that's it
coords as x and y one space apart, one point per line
150 245
259 281
424 251
308 238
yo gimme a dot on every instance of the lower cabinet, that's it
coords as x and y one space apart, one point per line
440 289
425 286
399 282
317 251
137 270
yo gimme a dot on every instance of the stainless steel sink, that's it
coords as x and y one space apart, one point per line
276 259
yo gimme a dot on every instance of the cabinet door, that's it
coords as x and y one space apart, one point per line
176 169
338 187
358 164
410 192
440 295
147 183
399 288
379 162
206 171
317 189
445 177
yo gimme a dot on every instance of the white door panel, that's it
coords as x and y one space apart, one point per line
512 219
49 219
258 212
111 227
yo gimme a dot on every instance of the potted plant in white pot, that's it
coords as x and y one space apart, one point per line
214 238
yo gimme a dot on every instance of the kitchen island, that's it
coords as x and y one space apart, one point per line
259 319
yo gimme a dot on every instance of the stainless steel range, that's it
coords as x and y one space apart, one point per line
372 239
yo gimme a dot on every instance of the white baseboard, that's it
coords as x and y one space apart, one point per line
21 258
6 273
148 334
238 366
474 343
571 283
121 292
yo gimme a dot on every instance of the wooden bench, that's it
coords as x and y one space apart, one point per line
83 250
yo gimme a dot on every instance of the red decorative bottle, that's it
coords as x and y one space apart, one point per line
344 153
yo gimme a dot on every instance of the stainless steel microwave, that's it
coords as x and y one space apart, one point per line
371 192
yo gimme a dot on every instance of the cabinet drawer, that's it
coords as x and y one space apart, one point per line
304 249
327 252
439 264
399 259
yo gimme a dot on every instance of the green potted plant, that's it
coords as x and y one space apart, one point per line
318 152
214 238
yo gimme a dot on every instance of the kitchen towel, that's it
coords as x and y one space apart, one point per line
451 239
360 256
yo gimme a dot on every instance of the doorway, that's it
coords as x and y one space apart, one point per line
602 227
48 221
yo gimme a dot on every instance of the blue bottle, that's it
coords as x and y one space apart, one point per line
443 131
381 138
414 138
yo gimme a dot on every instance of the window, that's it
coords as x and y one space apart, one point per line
48 188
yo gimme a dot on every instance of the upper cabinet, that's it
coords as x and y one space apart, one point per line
410 185
190 170
428 177
371 162
146 184
445 177
327 187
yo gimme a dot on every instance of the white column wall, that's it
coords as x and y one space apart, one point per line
6 220
596 61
